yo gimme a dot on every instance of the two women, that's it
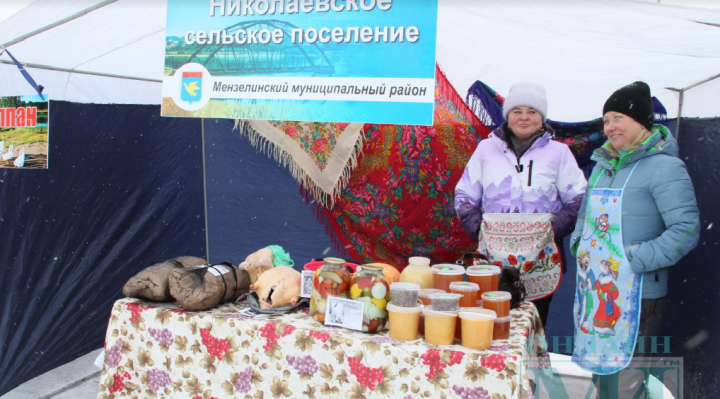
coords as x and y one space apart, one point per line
638 218
521 187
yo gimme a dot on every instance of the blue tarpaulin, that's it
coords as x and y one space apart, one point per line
123 191
253 202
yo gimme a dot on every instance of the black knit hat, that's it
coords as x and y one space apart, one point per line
634 101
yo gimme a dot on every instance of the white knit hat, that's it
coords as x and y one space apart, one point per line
527 94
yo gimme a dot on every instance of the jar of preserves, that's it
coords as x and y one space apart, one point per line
332 278
370 286
446 273
418 271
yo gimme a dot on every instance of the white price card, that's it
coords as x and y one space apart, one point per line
343 312
307 283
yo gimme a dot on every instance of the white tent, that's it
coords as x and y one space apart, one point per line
111 51
582 51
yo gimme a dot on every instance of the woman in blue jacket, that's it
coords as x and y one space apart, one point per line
639 217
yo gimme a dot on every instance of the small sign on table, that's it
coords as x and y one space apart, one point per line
344 312
306 283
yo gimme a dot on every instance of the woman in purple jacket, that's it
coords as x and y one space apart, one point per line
520 194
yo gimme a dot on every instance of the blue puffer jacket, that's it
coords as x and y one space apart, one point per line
660 221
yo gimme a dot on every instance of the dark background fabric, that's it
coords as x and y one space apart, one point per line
123 191
693 316
254 202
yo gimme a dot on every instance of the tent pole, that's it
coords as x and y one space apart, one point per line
677 129
698 83
81 72
207 235
681 93
59 22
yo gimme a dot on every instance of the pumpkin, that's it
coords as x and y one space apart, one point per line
390 272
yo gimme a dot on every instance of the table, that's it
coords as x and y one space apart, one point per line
156 350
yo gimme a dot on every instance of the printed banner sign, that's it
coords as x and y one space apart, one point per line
365 61
24 132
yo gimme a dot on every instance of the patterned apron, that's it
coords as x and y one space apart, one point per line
525 241
607 300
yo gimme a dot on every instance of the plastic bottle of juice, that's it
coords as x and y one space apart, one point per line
418 272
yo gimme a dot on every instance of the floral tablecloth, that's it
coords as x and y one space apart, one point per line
158 350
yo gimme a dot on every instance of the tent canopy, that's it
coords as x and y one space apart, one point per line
580 50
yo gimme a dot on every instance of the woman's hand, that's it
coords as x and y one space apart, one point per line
628 254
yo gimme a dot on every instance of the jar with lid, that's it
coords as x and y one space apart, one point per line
370 286
446 273
332 278
486 277
418 271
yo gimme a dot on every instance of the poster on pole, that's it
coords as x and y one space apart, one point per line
367 61
24 132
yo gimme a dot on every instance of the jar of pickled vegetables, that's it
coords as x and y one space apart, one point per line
332 278
370 286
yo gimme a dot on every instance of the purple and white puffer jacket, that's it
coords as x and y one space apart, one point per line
544 179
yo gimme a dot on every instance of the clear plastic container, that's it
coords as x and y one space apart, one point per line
475 309
458 326
446 273
445 302
501 329
486 277
418 271
424 295
467 290
404 294
477 328
499 301
404 321
439 327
